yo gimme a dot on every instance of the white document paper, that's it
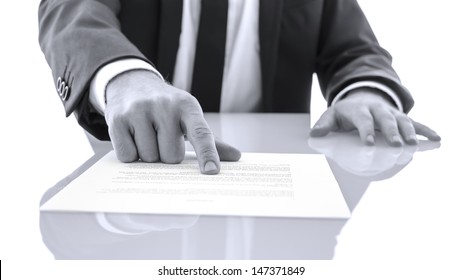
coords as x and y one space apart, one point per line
274 185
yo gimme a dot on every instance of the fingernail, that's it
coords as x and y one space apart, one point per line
370 140
210 166
396 140
435 137
316 131
412 140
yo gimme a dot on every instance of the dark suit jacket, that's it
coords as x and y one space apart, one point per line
331 38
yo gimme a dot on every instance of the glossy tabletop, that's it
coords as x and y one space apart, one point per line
138 236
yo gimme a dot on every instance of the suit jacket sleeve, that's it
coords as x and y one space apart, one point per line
348 52
78 37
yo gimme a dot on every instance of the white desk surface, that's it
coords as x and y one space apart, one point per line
405 206
386 188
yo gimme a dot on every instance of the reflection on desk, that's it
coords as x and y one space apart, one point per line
139 236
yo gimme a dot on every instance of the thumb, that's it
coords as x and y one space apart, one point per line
325 124
227 152
424 130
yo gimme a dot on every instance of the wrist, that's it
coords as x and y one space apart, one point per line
380 89
110 71
371 92
131 83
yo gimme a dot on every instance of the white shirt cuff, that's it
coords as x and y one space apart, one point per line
107 73
370 84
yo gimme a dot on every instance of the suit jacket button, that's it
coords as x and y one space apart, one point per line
58 83
66 93
61 89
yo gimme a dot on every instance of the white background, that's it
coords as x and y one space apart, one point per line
39 146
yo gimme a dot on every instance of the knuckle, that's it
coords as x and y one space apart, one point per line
207 152
392 131
403 119
388 125
381 114
389 118
184 98
187 102
115 121
200 132
361 112
164 101
175 103
389 128
124 152
362 117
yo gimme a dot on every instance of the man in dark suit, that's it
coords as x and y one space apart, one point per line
147 118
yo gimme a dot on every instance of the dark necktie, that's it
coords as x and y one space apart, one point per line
210 54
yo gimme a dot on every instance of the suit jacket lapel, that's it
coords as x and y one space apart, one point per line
169 36
270 18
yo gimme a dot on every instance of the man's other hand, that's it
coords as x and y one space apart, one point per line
148 119
366 110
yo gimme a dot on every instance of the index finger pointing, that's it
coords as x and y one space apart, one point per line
201 138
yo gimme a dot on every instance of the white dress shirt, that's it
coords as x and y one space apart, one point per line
241 86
